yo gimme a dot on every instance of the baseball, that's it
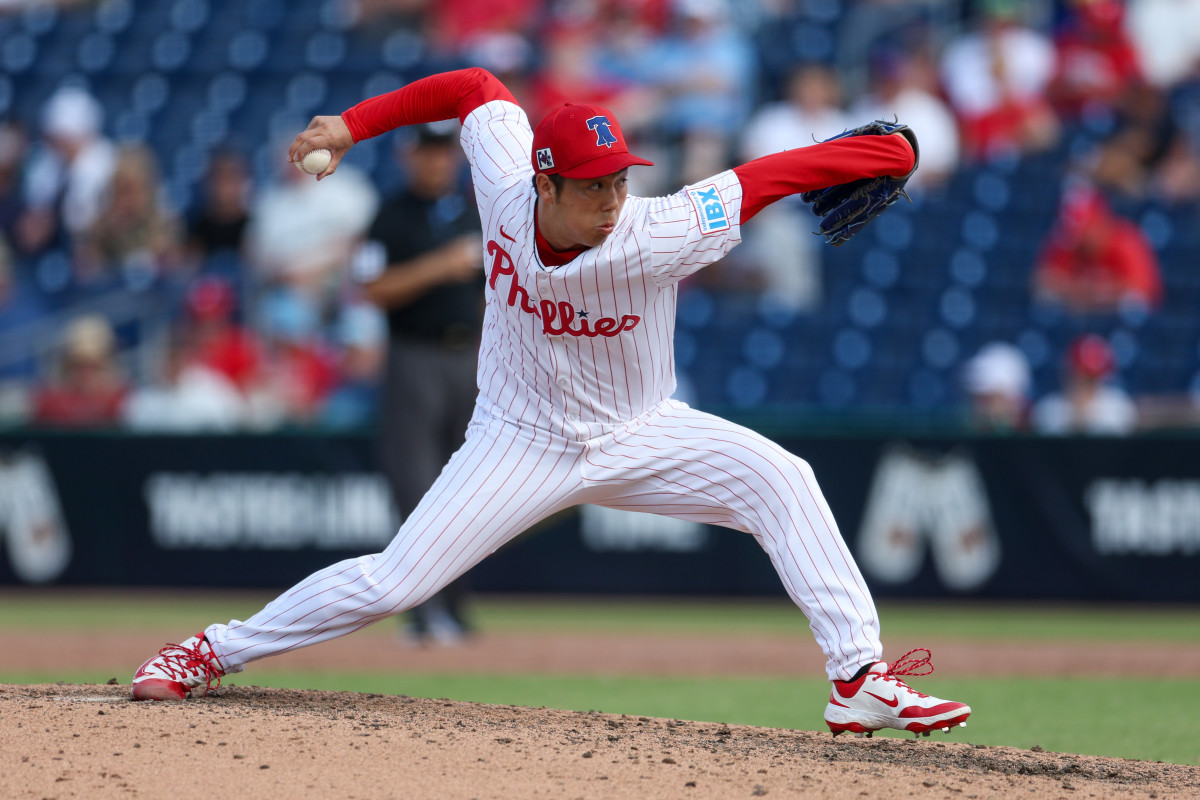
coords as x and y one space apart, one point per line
315 162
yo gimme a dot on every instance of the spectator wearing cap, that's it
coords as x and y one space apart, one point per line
214 337
88 390
997 382
1094 261
68 172
422 265
188 397
1088 403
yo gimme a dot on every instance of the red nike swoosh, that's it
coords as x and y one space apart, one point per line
893 702
505 235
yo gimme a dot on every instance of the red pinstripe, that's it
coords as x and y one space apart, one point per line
857 645
607 435
763 530
326 611
265 623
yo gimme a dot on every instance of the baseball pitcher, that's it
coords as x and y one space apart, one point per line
575 378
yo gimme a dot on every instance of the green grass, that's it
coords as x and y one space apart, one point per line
899 620
1143 719
40 610
1104 717
131 609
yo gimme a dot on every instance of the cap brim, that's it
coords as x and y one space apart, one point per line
605 165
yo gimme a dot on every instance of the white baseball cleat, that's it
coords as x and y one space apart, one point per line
880 699
177 670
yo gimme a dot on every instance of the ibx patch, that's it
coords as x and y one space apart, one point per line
545 159
710 208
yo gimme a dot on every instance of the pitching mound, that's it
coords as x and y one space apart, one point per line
91 741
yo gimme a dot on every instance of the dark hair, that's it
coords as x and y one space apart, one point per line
556 179
444 132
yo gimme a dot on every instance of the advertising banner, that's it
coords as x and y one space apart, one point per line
926 517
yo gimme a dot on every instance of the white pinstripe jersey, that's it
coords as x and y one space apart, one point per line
585 346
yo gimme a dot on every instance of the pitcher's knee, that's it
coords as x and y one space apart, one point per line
802 471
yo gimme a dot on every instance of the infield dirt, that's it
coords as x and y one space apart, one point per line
247 742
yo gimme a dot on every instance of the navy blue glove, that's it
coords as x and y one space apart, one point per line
845 209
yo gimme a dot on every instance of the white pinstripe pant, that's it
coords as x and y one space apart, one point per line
675 461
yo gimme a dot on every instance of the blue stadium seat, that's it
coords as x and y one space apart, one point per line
325 51
940 348
928 390
880 267
867 308
904 304
968 267
763 348
248 50
957 307
746 388
851 349
307 92
992 191
836 389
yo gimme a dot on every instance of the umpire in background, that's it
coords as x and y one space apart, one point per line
422 264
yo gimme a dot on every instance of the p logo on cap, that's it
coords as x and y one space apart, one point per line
603 135
581 141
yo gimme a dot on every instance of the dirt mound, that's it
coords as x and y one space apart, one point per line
91 741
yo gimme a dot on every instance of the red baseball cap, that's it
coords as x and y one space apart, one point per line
581 141
1090 355
210 298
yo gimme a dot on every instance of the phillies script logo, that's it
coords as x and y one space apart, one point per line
557 318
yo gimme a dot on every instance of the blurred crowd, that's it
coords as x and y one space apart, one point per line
121 305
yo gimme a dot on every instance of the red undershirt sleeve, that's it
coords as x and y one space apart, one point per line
767 179
442 96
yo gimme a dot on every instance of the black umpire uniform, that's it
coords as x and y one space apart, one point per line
434 319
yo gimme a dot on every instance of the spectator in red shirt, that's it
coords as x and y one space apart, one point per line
1088 402
1096 61
995 76
301 366
89 390
215 340
1095 261
570 73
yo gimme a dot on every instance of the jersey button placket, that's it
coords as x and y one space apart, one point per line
556 343
559 345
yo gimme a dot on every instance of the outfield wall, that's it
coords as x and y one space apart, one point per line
927 517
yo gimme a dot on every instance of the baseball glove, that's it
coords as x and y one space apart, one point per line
845 209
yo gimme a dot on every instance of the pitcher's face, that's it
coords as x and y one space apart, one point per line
584 212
